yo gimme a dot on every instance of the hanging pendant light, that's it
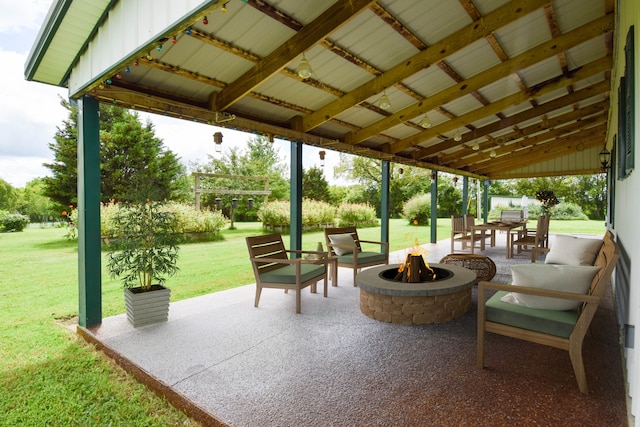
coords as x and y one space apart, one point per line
458 136
425 122
304 68
384 102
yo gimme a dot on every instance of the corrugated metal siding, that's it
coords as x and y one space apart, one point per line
131 24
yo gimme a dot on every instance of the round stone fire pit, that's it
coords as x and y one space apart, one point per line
415 303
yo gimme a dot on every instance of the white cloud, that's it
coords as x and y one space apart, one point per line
26 15
30 112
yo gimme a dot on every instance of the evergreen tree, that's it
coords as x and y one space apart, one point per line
134 164
314 185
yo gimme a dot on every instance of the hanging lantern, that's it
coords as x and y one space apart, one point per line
217 139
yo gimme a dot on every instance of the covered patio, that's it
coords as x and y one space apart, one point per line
227 363
484 89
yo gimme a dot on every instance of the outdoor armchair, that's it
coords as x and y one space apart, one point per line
273 268
344 244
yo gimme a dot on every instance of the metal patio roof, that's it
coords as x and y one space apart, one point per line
484 88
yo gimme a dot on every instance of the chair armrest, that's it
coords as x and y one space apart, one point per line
321 255
483 286
385 245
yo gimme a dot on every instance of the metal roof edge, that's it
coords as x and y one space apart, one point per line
50 26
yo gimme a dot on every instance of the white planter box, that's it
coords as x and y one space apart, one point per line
145 308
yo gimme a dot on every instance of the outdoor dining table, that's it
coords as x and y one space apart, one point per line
499 226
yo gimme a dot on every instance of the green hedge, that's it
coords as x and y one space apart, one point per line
318 214
190 220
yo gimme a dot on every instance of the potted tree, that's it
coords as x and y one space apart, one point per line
143 255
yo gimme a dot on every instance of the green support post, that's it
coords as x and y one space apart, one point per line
384 202
295 198
485 200
89 245
465 195
434 206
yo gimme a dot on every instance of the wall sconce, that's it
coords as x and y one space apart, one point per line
322 155
384 102
217 139
304 68
605 157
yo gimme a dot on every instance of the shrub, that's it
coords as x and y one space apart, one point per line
191 220
417 210
13 221
358 214
188 219
316 213
274 214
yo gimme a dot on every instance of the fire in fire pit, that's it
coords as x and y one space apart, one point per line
415 268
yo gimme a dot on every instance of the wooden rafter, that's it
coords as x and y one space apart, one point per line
330 20
423 59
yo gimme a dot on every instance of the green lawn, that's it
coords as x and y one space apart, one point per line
50 377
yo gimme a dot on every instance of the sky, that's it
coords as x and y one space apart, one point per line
30 112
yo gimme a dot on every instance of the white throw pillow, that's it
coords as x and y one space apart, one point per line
567 278
344 240
570 250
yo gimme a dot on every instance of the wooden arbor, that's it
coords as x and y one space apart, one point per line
198 190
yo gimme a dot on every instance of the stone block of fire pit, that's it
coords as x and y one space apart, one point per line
415 303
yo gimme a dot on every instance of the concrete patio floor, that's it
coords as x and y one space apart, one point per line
228 363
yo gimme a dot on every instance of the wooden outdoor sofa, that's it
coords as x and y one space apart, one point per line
558 327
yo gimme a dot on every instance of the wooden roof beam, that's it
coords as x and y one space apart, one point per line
548 150
541 52
329 21
539 110
433 54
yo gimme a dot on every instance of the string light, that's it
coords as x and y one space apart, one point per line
205 21
188 31
223 9
174 40
159 48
